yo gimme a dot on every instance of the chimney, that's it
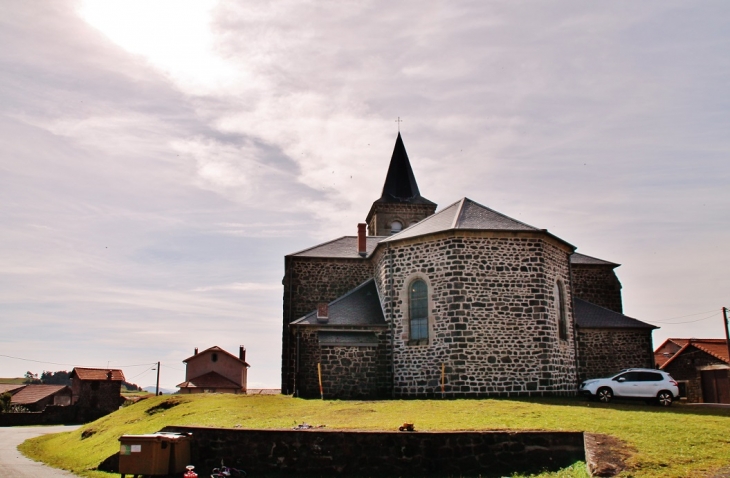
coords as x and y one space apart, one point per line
242 353
109 375
196 351
323 313
362 248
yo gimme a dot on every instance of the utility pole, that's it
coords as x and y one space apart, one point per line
157 387
727 335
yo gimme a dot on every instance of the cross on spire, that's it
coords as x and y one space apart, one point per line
399 121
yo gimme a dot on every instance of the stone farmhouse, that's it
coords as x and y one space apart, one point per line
215 371
464 302
96 391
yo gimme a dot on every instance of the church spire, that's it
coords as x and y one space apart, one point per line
400 203
400 183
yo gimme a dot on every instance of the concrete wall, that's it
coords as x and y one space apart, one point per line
603 352
493 317
383 453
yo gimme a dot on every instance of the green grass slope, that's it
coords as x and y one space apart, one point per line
13 381
681 441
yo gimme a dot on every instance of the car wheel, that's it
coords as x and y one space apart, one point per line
604 394
664 399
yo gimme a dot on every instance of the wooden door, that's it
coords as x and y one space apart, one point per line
715 386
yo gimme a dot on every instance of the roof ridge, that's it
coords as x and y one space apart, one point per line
503 215
456 221
319 245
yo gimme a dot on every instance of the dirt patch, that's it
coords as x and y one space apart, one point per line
87 433
166 405
606 455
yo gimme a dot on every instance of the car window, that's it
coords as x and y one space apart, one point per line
650 377
629 376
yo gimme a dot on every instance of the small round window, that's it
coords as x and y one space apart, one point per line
396 227
214 357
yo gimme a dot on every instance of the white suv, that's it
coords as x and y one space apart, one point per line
642 383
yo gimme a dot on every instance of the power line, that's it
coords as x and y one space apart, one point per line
688 315
691 321
69 364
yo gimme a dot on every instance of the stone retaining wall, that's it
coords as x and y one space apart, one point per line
346 453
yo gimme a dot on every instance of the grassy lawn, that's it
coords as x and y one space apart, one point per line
13 381
681 441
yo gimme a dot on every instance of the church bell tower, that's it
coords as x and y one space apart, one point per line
401 204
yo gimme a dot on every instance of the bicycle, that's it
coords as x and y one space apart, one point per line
227 472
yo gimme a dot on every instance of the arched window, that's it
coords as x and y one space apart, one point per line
418 311
396 227
562 317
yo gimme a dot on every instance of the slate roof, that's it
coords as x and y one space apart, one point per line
35 393
715 347
400 183
360 306
592 316
10 387
217 349
582 259
341 248
467 215
209 380
96 373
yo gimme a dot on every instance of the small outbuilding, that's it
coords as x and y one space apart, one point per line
97 391
701 367
215 371
36 397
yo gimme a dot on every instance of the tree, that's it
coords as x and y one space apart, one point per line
5 400
31 378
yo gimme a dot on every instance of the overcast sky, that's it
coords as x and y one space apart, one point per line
159 158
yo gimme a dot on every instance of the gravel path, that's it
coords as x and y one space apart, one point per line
14 465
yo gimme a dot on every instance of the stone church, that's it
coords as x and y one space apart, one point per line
463 302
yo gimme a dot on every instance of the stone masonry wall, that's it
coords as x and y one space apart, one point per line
347 453
603 352
307 282
597 285
407 214
348 372
685 368
492 313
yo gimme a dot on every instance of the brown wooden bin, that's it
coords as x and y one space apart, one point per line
154 454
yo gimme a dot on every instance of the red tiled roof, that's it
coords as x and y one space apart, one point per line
97 373
215 348
715 347
10 387
35 393
210 380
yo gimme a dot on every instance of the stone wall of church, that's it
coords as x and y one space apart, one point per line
407 214
348 372
307 282
597 285
603 352
492 315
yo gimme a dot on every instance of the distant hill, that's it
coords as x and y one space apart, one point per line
165 391
14 381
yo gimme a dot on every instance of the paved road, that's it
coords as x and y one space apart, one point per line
14 465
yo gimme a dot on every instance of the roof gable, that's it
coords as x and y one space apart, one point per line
209 380
715 347
215 349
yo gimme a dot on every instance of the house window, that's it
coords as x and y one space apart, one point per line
418 312
214 357
560 304
396 227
